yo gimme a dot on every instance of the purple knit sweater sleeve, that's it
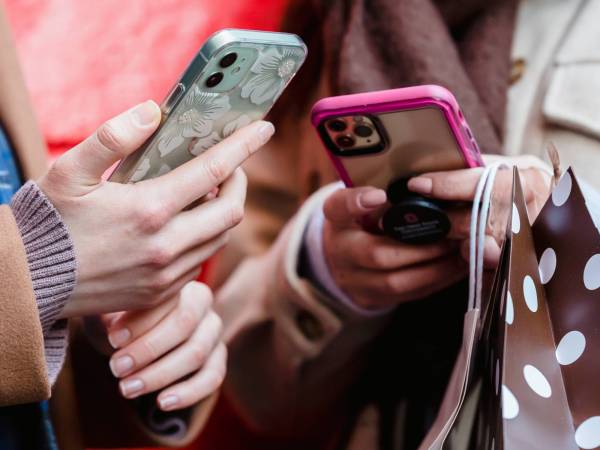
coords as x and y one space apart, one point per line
52 266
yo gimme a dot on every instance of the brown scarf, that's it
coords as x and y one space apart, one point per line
463 45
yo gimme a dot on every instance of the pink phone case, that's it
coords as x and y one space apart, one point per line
381 104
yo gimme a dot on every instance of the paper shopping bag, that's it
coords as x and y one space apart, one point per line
532 381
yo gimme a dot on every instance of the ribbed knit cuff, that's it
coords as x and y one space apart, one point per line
52 265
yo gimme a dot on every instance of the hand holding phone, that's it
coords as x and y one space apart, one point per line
376 272
381 139
134 244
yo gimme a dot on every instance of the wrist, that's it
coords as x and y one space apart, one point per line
319 272
49 250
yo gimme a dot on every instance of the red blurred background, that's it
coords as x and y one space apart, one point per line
85 61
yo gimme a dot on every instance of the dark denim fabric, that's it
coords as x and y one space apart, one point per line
22 427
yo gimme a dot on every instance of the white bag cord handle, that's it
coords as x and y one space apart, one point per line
479 217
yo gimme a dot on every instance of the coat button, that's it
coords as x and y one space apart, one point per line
309 325
517 70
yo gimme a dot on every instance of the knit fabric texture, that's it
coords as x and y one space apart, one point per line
52 265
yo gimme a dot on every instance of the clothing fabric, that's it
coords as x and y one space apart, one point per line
462 45
52 267
28 425
299 360
23 372
317 270
10 179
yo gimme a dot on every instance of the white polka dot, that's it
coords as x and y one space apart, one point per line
547 265
587 435
537 381
530 293
570 347
510 309
591 273
561 192
510 405
516 221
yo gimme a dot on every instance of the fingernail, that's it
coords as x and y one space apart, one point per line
421 185
119 338
130 388
121 365
373 198
145 114
265 131
169 402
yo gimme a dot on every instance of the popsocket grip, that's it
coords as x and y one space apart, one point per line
413 219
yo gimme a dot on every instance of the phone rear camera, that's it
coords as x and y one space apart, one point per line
336 125
214 79
345 141
363 131
228 60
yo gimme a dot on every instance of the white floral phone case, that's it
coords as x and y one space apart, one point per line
197 115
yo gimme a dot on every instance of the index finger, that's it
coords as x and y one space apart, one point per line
194 179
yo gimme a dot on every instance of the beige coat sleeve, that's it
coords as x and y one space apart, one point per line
295 356
23 377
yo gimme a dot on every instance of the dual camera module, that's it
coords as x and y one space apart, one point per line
226 61
353 133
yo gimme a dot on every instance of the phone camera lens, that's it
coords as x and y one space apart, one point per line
336 125
363 131
345 141
214 79
228 60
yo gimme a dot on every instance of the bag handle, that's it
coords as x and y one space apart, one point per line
479 217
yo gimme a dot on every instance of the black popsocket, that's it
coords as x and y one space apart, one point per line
413 219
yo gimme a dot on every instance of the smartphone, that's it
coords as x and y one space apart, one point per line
383 138
234 80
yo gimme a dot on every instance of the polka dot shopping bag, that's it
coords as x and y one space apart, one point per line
527 374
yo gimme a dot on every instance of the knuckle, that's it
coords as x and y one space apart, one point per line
234 215
160 255
160 283
198 352
151 218
378 257
249 145
149 349
217 323
109 137
217 170
189 313
391 284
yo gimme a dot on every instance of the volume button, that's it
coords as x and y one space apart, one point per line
173 97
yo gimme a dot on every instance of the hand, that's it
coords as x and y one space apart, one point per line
460 186
377 272
135 244
157 348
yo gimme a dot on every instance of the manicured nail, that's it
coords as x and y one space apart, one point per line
371 199
118 338
265 131
421 185
169 402
121 365
145 114
131 388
